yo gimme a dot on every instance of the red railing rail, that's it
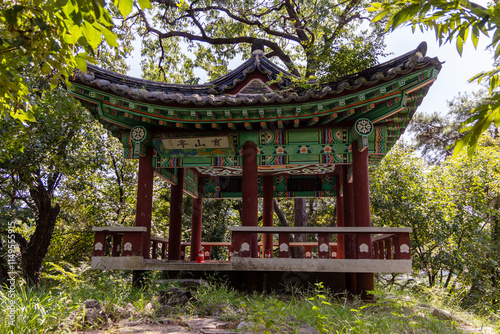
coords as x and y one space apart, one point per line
125 241
386 243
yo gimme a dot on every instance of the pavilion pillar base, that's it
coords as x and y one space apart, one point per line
139 278
364 284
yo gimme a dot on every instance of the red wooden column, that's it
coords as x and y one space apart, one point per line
145 199
175 228
349 239
267 217
361 188
348 199
250 193
340 212
196 222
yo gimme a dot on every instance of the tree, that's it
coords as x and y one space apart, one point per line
311 38
455 21
103 194
35 161
452 208
435 134
49 37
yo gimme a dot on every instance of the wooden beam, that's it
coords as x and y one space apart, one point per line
248 264
308 229
329 118
313 121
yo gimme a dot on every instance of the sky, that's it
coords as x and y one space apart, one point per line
456 71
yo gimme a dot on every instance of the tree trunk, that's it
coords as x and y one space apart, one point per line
4 272
279 212
300 220
33 255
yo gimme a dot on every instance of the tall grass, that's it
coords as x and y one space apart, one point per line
327 313
45 309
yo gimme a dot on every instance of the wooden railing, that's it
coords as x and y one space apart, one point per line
386 243
125 241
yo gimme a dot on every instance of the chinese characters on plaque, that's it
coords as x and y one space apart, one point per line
196 143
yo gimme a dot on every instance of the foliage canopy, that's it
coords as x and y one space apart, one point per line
456 21
49 37
313 38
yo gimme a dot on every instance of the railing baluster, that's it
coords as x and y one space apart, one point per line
207 252
396 247
154 253
116 248
404 246
284 245
99 243
308 252
164 246
324 245
388 248
241 244
183 252
334 251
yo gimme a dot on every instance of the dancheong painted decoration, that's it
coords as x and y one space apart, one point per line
299 134
251 135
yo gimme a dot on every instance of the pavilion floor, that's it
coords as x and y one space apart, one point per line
256 264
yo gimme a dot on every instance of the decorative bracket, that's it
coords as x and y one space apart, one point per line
139 137
362 129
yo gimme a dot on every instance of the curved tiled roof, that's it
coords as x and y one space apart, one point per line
215 92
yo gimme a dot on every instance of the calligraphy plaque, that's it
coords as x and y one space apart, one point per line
199 143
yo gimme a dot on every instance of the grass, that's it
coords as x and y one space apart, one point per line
46 308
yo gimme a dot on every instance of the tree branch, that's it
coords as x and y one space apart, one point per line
247 21
343 20
223 41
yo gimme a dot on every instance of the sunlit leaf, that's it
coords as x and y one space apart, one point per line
125 6
145 4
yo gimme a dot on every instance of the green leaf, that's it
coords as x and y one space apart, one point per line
54 82
92 35
125 6
81 63
72 36
10 16
475 37
46 68
110 37
145 4
24 116
460 45
380 16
